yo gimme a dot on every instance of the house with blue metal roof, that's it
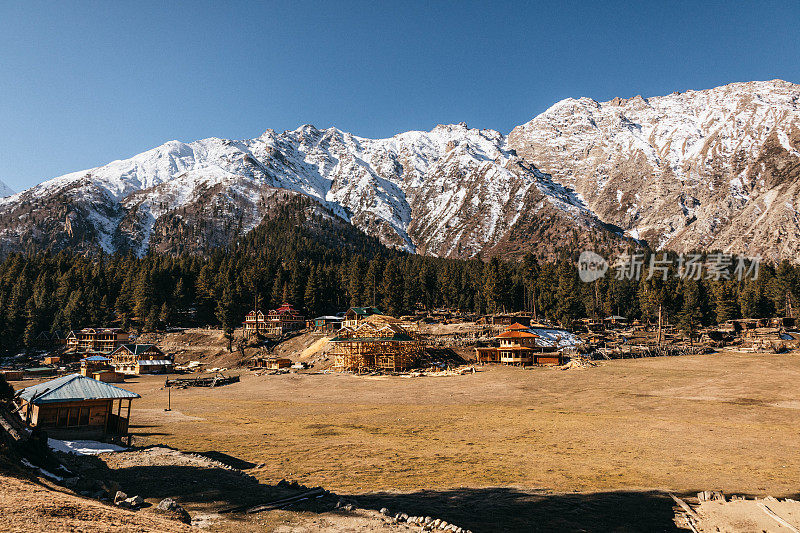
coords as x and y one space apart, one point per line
77 407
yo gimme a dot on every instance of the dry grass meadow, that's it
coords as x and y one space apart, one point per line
593 449
722 421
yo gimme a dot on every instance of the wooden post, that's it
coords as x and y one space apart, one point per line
659 324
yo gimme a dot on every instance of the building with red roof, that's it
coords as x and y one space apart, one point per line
517 346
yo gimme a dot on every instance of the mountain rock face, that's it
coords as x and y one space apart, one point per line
5 190
453 191
702 169
714 169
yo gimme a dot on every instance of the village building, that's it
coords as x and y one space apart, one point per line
326 324
375 344
140 359
517 346
100 340
77 407
271 363
284 320
255 323
47 339
355 315
100 368
615 321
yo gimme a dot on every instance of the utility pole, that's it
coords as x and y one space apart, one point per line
169 394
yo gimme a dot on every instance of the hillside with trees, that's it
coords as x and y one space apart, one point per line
317 262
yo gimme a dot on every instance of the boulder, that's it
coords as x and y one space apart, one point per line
135 501
173 510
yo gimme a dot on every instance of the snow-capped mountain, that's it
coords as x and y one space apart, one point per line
704 169
713 169
5 190
453 191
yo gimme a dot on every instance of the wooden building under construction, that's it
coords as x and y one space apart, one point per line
375 344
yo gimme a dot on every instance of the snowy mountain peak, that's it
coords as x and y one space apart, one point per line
638 161
717 168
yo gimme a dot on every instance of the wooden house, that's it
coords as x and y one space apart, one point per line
355 315
100 368
327 324
141 359
255 323
615 322
283 320
12 375
271 363
375 345
517 346
100 340
77 407
47 339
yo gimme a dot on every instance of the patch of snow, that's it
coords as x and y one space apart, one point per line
41 470
83 447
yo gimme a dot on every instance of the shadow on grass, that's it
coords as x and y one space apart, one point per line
224 458
507 509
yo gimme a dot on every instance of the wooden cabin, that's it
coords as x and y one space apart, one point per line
355 315
375 345
141 359
517 346
615 322
284 320
47 339
77 407
100 340
100 368
271 363
12 375
327 324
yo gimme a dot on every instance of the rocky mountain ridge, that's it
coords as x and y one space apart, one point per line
701 169
713 169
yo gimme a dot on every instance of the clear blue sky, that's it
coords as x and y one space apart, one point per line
83 83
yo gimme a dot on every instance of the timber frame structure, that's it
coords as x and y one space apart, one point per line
375 346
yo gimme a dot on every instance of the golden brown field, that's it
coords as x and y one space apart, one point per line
504 435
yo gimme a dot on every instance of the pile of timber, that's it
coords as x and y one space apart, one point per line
214 381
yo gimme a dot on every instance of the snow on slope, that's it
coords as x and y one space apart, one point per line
453 190
678 170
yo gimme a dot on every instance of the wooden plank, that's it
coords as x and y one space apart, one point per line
777 518
683 505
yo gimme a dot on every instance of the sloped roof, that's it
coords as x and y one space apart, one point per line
74 387
517 326
516 334
95 358
136 349
370 331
